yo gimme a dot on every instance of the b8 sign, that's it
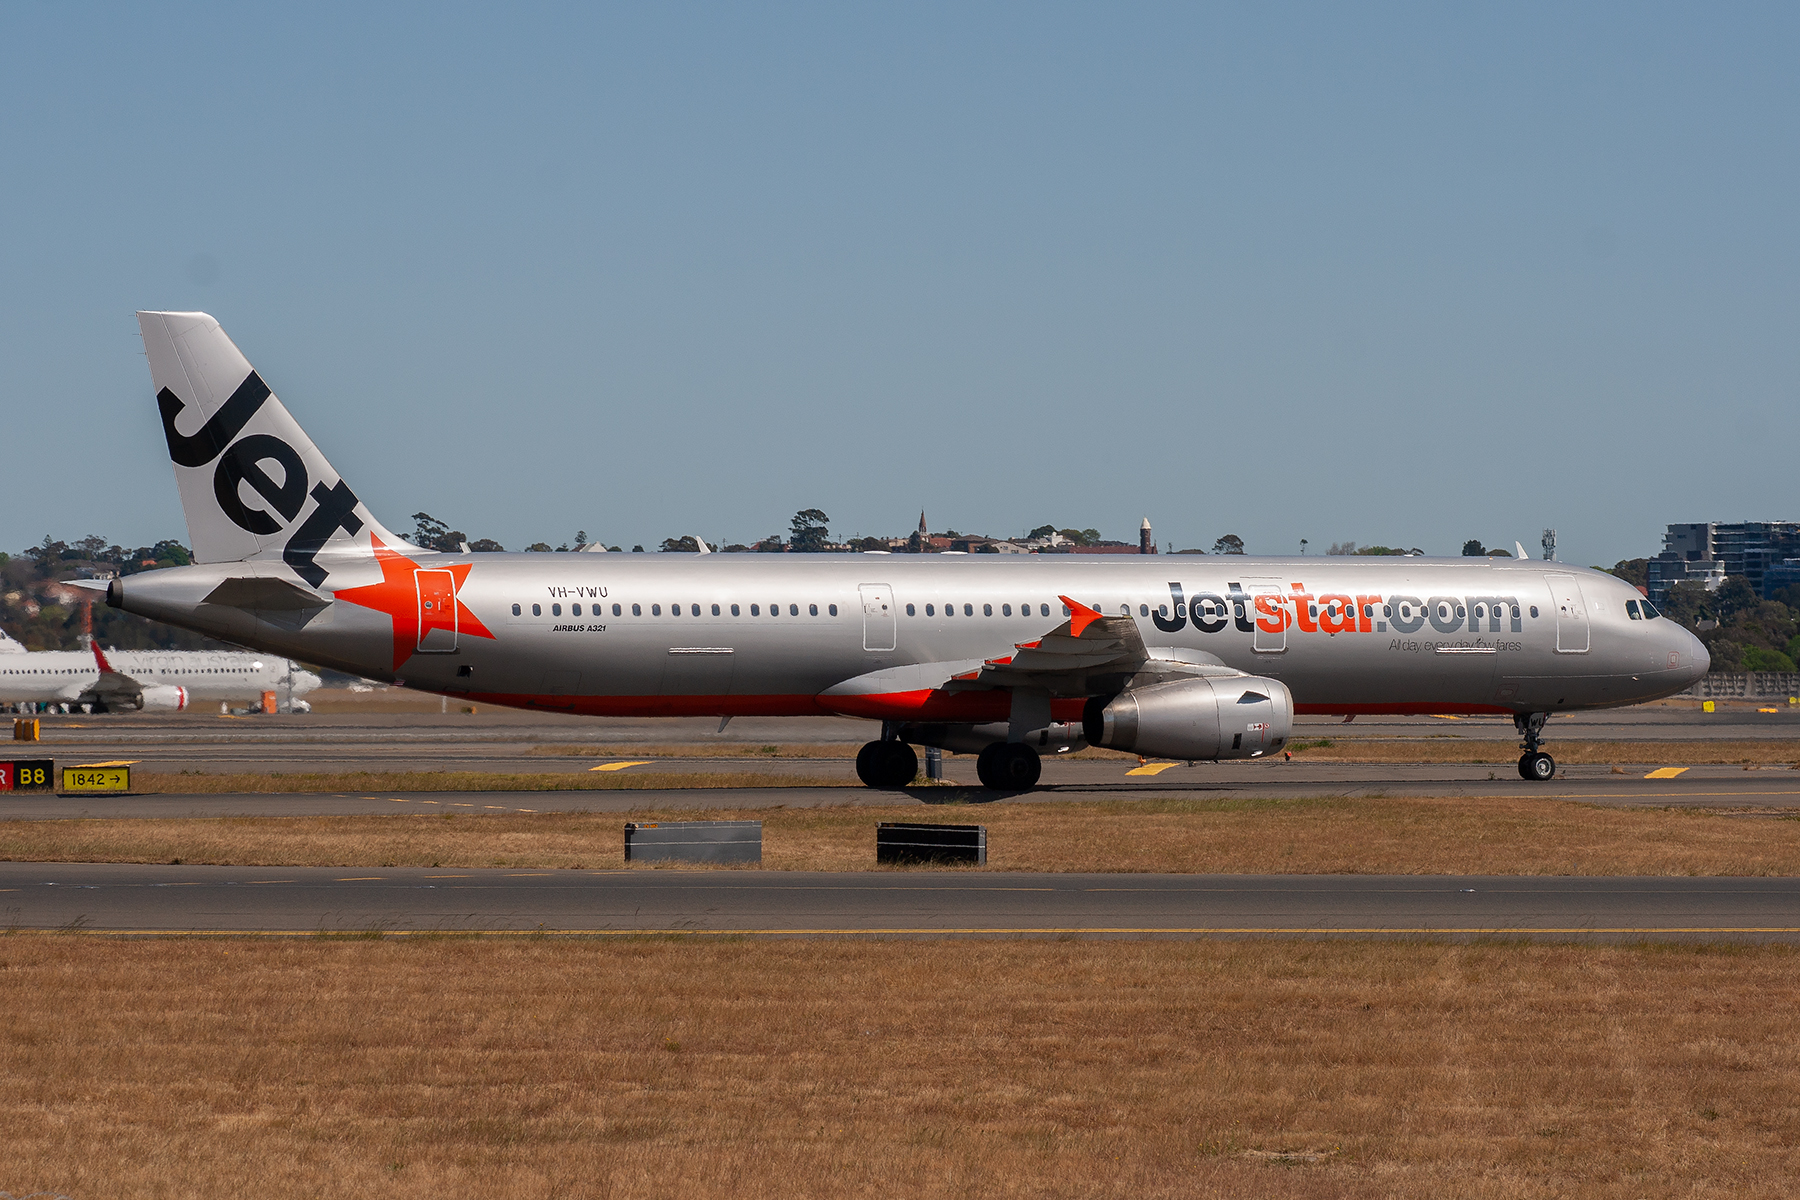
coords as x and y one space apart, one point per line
31 773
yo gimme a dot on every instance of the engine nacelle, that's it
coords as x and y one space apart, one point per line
1240 716
163 697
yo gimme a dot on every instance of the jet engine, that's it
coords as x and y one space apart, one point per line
1240 716
163 697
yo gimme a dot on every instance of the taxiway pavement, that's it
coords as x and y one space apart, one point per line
146 899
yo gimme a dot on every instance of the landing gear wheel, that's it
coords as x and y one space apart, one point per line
1537 766
887 764
1008 767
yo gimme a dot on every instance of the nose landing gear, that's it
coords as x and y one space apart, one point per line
1534 764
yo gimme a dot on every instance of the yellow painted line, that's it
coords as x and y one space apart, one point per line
446 877
390 800
359 879
529 810
1768 710
499 807
257 882
428 802
117 762
1444 717
530 874
1295 931
460 804
1665 773
619 766
1151 769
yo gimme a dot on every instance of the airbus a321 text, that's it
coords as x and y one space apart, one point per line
1011 657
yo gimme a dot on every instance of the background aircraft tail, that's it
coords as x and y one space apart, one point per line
252 483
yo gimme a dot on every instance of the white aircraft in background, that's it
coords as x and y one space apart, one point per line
142 680
1198 657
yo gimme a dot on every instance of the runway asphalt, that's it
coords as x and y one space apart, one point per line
143 899
1699 787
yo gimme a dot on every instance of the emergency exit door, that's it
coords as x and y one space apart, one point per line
437 611
880 623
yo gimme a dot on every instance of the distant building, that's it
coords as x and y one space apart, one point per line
1146 543
1711 552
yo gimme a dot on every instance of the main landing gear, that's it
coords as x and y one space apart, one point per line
887 764
1534 764
1008 767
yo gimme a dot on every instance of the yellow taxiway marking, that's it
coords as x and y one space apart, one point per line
257 882
1444 717
460 804
530 874
1665 773
500 807
1768 710
446 877
619 766
428 802
390 799
992 930
360 879
529 810
117 762
1151 768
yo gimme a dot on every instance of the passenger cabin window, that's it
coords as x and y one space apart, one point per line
617 611
515 610
715 610
556 610
987 610
637 610
968 610
1044 609
1006 610
656 610
756 610
1534 610
793 610
575 610
694 610
735 612
832 610
812 610
930 610
910 612
537 610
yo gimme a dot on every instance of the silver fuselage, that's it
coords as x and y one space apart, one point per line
757 634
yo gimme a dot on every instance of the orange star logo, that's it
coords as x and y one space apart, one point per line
402 595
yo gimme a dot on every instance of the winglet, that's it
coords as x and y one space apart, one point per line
1081 616
105 667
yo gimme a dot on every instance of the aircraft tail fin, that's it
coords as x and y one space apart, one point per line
8 645
252 483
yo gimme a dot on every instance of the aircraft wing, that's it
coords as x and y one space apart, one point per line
112 685
1089 642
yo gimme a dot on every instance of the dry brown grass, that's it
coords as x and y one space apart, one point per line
197 782
520 1068
1452 748
1513 836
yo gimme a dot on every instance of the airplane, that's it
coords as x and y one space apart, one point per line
141 680
1009 657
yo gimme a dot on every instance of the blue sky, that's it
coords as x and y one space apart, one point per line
1384 273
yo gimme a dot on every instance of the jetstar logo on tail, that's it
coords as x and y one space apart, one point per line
402 596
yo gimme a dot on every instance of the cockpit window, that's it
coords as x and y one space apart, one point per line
1650 613
1631 610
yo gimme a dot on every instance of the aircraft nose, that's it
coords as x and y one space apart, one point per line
1700 657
